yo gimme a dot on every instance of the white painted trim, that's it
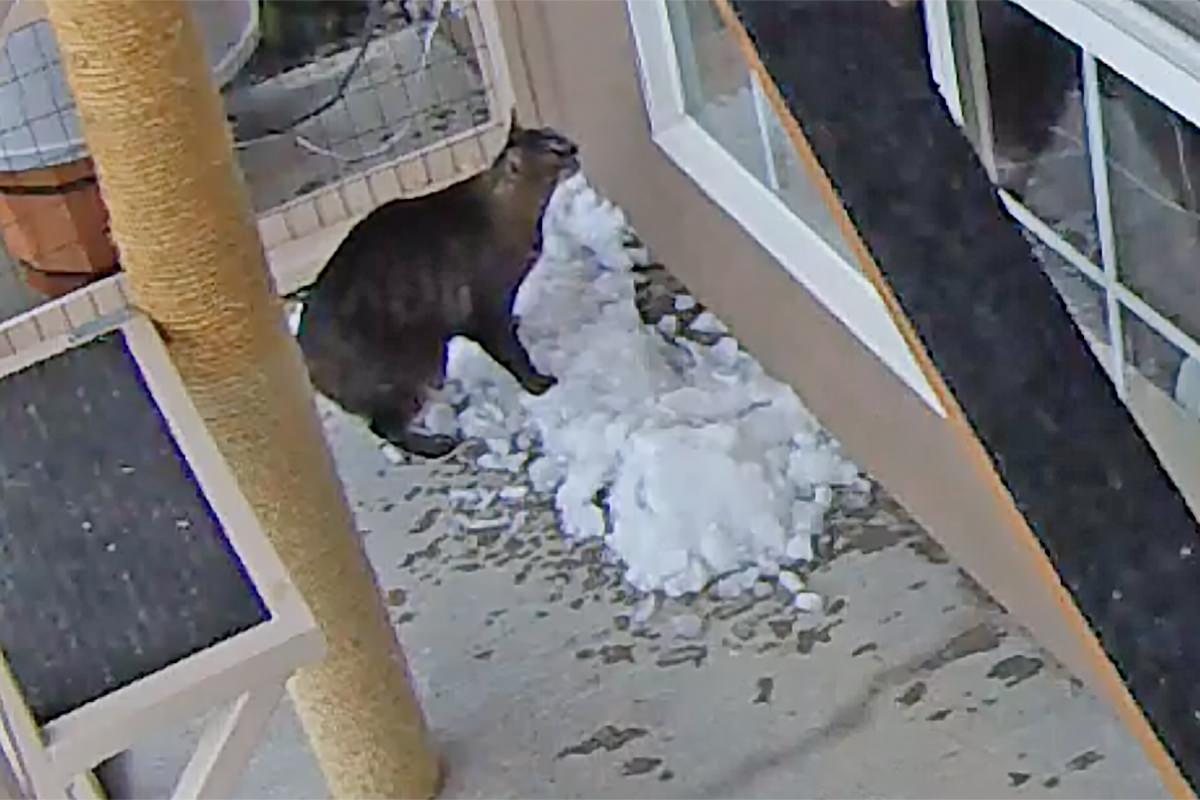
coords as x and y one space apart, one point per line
761 115
941 55
801 251
1163 63
1097 148
662 86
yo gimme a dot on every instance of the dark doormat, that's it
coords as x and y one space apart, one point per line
112 563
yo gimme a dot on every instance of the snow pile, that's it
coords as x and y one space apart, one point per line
688 459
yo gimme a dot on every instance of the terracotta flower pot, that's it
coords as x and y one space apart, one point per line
54 221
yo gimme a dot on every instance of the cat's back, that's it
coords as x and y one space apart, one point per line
413 232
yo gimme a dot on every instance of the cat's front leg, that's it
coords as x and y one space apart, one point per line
497 334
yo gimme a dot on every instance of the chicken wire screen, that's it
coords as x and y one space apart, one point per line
112 563
336 89
335 108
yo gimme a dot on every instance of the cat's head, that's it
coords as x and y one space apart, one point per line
538 156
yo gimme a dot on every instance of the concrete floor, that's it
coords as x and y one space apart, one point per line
540 680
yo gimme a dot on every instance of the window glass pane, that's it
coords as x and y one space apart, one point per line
716 82
799 192
1163 388
1036 101
1083 298
1153 159
719 94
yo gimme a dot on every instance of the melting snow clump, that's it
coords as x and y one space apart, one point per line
688 460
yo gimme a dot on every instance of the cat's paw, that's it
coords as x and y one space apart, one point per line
539 384
428 445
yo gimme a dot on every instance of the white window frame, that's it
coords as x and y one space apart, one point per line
1160 59
801 251
1164 62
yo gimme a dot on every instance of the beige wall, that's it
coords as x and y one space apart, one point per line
574 66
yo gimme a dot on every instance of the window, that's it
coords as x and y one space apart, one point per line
709 115
1085 113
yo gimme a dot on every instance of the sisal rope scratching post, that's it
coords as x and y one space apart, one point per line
181 217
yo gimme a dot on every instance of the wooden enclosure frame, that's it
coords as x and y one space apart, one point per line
300 235
243 676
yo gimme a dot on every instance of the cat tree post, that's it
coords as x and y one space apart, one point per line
189 245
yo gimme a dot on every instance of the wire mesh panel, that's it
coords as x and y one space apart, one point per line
380 102
335 107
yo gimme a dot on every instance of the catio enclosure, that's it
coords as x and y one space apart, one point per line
334 108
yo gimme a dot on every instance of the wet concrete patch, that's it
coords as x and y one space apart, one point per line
640 765
426 520
1014 669
940 714
695 653
608 738
809 638
765 688
616 654
928 549
1016 779
978 639
1084 761
913 694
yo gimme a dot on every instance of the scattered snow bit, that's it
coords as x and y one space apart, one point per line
644 610
668 324
293 313
393 454
440 418
808 602
728 587
510 494
791 581
486 524
799 548
486 498
763 589
463 497
495 462
687 626
684 302
707 322
710 467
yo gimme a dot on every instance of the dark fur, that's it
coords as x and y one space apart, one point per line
415 273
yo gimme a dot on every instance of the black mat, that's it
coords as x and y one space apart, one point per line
856 77
112 564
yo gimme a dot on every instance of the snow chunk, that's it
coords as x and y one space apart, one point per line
808 602
688 460
707 322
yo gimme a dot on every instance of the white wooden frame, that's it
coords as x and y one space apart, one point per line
1163 61
800 250
300 236
244 674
